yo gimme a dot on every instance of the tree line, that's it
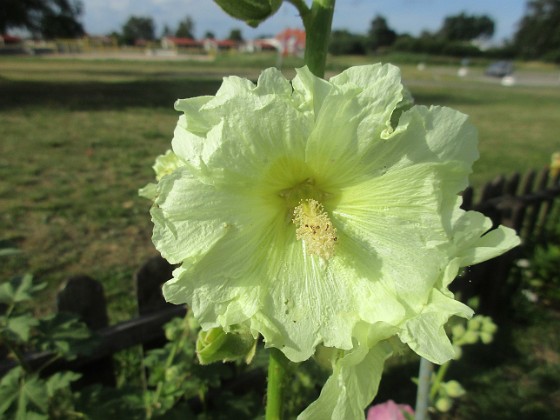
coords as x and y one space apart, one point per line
144 28
537 35
50 19
458 35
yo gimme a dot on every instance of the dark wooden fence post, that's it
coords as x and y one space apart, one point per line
149 279
84 297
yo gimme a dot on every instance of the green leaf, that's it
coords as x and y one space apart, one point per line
64 334
35 392
21 325
9 388
31 415
19 289
26 393
101 403
60 380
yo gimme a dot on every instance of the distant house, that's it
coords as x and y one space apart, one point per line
292 41
100 41
9 40
11 44
182 44
259 45
192 45
226 44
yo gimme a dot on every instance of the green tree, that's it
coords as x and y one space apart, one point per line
185 28
538 34
49 18
138 27
209 35
166 31
380 34
235 35
345 42
463 27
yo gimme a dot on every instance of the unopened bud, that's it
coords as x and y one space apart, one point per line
253 12
216 345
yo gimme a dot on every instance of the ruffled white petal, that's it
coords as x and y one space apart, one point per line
355 379
425 332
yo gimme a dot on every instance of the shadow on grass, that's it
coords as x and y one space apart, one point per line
149 94
102 96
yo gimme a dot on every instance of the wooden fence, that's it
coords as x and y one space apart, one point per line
529 204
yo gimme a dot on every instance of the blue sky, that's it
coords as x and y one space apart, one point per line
412 16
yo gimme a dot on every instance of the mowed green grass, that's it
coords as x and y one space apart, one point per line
78 138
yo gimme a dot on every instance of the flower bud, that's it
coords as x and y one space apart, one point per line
453 389
474 323
470 337
443 404
486 338
488 326
458 352
458 331
217 345
253 12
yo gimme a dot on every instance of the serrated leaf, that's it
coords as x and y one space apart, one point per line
21 325
9 388
31 415
35 391
99 403
19 289
64 334
30 396
61 380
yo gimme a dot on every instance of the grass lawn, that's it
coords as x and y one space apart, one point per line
78 138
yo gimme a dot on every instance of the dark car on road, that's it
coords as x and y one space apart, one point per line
499 69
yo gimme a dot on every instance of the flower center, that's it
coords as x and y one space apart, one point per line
315 228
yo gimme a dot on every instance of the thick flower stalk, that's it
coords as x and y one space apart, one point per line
322 213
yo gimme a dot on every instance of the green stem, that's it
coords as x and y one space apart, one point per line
317 25
48 363
423 395
277 364
437 381
301 6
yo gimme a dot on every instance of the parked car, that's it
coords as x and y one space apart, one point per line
499 69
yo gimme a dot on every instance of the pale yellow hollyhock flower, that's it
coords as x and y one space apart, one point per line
323 213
